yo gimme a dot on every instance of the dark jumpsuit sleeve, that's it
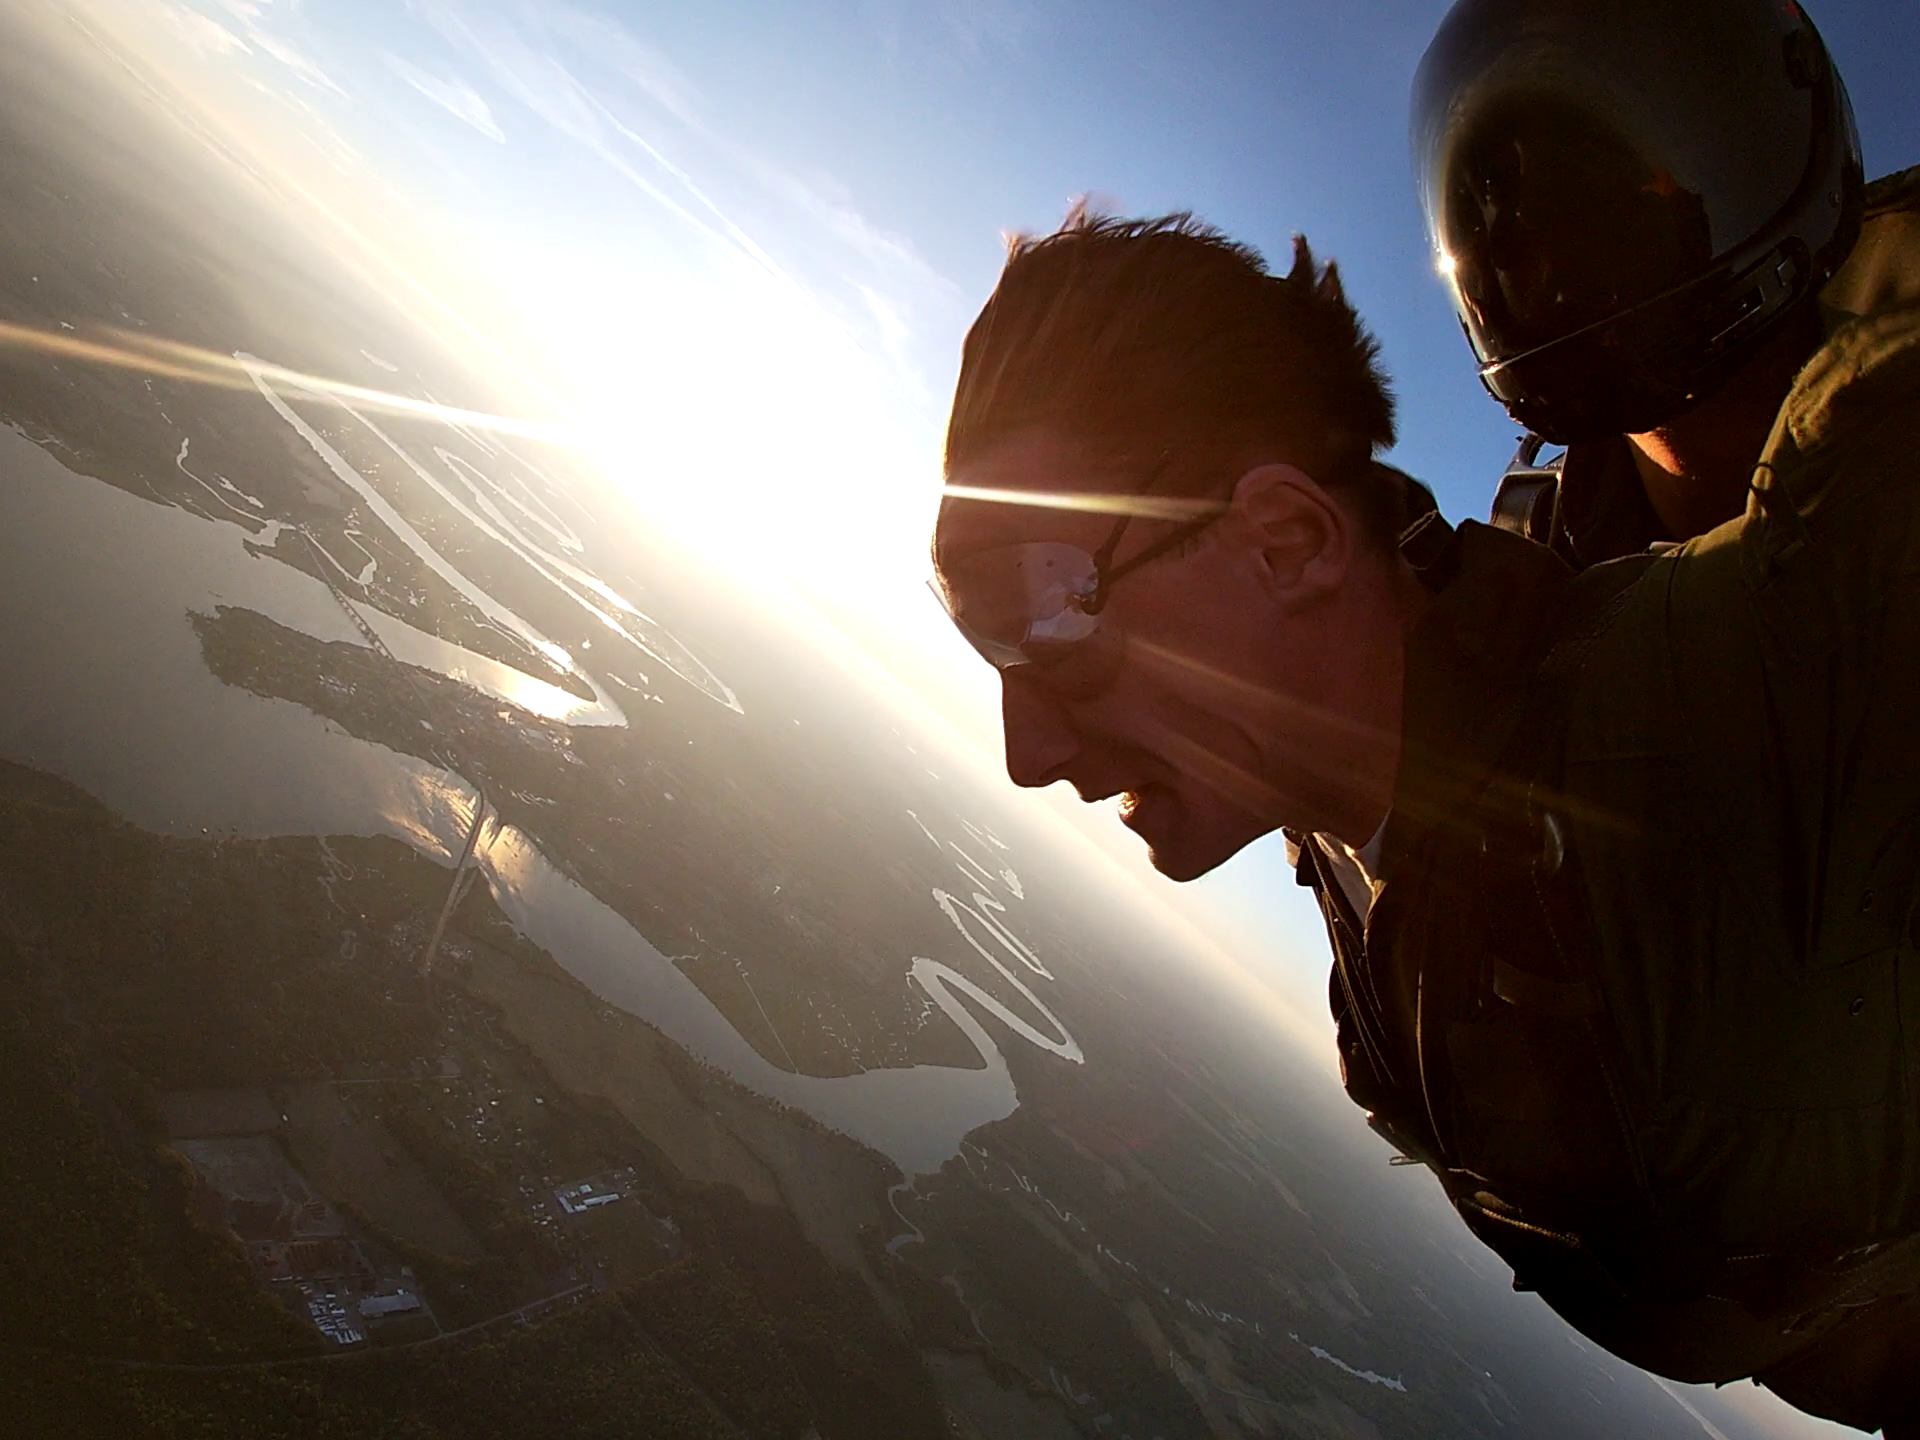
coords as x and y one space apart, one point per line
1831 522
1823 615
1745 748
1779 670
1830 552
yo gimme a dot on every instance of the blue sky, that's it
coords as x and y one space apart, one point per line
749 236
871 152
883 146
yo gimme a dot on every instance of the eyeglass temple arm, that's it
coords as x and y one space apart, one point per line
1102 558
1158 548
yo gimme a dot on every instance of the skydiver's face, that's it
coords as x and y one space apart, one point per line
1200 699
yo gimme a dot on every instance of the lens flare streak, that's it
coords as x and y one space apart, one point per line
173 360
1141 507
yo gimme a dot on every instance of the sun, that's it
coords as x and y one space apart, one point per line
733 408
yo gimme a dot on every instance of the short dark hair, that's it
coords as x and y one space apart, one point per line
1161 338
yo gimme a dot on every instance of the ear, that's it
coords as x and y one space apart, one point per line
1304 539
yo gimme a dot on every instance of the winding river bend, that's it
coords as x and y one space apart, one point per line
114 694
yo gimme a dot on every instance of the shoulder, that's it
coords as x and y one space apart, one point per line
1900 190
1824 567
1884 268
1842 467
1867 373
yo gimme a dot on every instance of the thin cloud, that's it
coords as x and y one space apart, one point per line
834 210
200 33
582 77
639 63
294 60
538 79
458 99
594 83
254 37
958 32
985 27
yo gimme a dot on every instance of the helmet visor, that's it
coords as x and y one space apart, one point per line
1576 160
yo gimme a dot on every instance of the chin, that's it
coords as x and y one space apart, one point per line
1177 846
1178 864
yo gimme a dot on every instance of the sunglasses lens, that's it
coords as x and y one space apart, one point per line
1021 603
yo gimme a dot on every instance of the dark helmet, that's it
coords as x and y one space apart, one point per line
1628 196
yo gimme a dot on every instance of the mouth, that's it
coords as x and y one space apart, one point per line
1142 809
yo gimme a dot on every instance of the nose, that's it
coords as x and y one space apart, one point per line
1040 735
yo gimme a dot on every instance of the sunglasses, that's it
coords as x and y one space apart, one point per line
1041 603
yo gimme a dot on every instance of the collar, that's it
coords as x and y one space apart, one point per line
1604 510
1883 272
1357 872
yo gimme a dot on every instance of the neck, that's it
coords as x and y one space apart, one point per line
1696 469
1360 789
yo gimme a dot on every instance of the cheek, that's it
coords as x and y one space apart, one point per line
1202 747
1205 697
1207 654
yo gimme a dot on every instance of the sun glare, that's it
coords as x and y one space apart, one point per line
736 412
